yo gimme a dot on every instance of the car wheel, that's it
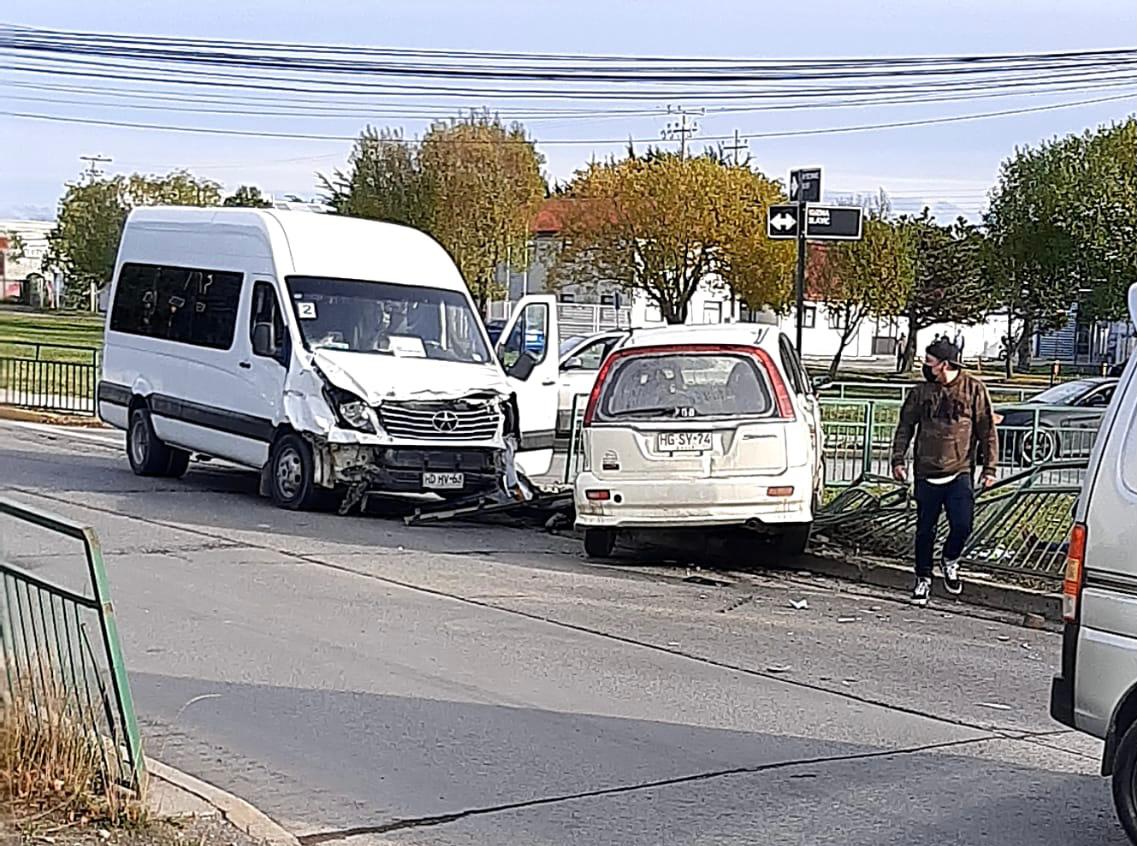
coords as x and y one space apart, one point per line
147 454
292 474
794 538
1039 447
599 543
1125 782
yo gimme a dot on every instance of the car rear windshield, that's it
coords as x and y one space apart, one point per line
684 385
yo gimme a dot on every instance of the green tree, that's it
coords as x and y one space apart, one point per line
16 249
383 181
1062 226
950 283
663 225
247 196
856 279
84 241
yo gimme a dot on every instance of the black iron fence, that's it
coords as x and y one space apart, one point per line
48 377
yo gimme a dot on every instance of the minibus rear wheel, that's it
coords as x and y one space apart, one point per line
1125 782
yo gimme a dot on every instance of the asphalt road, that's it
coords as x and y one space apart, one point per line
365 682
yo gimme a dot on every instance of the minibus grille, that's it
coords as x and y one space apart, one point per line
440 421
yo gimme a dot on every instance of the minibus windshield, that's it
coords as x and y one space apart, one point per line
406 321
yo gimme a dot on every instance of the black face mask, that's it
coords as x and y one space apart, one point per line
929 374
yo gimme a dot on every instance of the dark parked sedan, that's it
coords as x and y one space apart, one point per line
1068 416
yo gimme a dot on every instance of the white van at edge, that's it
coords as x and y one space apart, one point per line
331 353
1096 691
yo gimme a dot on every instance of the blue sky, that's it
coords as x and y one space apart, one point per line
950 166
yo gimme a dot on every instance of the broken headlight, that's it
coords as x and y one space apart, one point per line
352 411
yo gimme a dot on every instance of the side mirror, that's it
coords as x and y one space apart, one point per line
263 344
573 364
522 368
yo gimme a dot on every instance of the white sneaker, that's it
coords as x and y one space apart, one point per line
952 582
921 592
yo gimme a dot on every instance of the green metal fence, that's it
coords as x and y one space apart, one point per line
1022 523
48 377
59 644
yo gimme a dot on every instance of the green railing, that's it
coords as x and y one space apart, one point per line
1022 523
48 377
59 645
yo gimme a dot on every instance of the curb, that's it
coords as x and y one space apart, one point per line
987 594
24 415
235 811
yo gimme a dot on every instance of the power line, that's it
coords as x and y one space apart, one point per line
793 133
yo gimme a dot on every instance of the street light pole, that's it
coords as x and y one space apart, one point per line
799 277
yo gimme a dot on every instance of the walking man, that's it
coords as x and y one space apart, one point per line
901 347
950 416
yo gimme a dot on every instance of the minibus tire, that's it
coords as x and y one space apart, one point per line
147 454
178 464
793 538
1125 782
293 487
599 543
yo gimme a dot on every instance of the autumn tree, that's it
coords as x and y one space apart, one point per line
485 184
92 212
950 281
663 225
474 184
856 279
1062 226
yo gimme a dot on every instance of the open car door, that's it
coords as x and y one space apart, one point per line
528 351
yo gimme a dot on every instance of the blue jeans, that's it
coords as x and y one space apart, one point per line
957 498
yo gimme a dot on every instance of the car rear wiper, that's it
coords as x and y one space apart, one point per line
659 409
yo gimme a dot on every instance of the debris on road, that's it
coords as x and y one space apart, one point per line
995 706
848 619
778 668
799 604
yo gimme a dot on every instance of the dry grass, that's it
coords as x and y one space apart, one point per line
53 773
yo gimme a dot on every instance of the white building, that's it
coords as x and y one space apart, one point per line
14 272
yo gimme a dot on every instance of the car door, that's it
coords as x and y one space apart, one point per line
263 364
1080 425
577 376
528 354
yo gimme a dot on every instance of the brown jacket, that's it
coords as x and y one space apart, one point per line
953 425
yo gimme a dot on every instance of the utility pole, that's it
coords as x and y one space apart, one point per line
680 128
93 172
737 147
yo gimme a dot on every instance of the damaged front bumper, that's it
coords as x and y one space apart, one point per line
414 469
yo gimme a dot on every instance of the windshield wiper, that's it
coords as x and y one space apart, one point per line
629 412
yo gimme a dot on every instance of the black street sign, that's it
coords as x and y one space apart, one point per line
781 222
833 223
805 185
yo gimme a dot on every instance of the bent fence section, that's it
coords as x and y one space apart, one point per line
59 644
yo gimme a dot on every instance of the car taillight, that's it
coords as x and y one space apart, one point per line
1075 573
594 397
781 392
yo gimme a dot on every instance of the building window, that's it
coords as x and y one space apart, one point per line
568 298
712 312
836 318
809 316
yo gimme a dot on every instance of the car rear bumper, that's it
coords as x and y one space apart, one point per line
694 502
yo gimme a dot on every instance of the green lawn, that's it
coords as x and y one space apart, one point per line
18 328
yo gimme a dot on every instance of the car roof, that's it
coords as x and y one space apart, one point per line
730 334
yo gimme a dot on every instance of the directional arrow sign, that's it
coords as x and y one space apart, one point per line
805 185
833 223
781 222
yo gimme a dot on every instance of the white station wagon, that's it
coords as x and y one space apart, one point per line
701 426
